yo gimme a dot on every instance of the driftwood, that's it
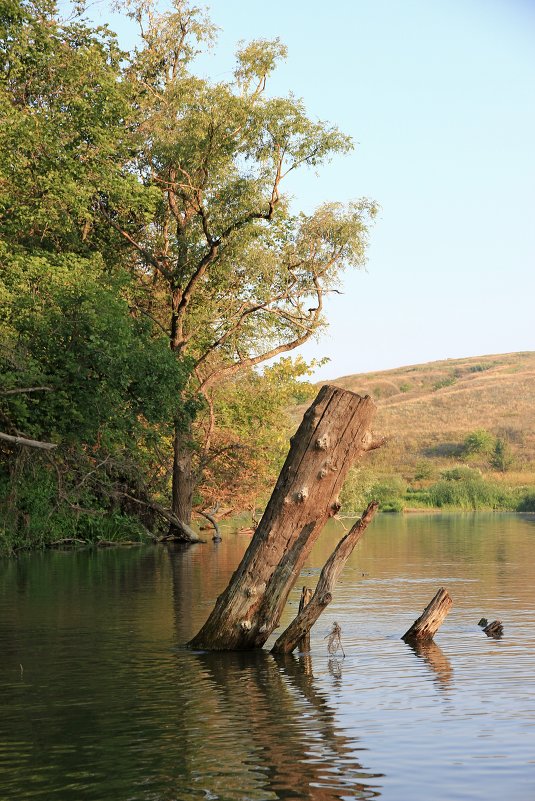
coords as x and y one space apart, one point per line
431 619
306 618
335 431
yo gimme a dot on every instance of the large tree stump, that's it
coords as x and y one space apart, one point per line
335 432
429 622
301 625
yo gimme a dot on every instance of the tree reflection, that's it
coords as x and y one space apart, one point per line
291 744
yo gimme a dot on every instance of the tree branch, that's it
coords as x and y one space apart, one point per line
23 442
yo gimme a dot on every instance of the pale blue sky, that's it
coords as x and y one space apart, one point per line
439 98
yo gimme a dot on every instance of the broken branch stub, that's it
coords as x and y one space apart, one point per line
335 431
301 625
431 619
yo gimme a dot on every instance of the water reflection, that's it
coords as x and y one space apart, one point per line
435 657
291 744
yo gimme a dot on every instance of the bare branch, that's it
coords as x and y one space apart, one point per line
23 442
26 389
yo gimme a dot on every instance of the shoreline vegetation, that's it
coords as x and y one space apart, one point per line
448 468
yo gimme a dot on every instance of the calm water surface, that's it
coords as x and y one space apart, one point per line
99 700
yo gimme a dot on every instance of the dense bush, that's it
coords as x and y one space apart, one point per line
471 493
527 503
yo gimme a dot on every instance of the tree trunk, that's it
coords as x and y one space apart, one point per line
183 482
431 619
334 432
300 627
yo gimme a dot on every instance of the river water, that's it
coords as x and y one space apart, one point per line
100 700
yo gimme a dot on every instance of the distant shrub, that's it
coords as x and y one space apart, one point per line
405 387
423 471
461 473
527 503
390 492
448 381
478 442
501 458
480 368
363 486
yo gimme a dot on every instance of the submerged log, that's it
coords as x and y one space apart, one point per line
301 625
431 619
335 431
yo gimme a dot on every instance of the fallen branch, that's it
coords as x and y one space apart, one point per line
211 519
23 442
322 597
67 541
187 534
26 389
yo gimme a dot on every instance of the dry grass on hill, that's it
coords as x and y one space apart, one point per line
427 410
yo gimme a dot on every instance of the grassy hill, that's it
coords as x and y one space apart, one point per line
432 412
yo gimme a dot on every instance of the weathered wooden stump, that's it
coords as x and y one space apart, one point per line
334 433
301 625
431 619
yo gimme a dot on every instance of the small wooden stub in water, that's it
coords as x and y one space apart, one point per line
431 618
304 643
494 629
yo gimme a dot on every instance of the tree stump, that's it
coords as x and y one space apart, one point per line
335 431
431 619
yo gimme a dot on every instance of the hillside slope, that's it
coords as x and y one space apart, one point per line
427 410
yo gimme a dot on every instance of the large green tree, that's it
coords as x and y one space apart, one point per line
85 382
230 272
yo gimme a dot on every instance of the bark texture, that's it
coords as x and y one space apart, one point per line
429 622
182 486
301 625
335 431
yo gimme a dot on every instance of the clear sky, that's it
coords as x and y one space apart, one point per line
439 98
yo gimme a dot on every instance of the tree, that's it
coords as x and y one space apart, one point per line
63 112
226 269
79 372
501 458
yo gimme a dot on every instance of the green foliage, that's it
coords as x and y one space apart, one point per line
63 110
405 387
424 470
527 503
479 442
107 387
461 473
501 458
363 485
448 381
470 493
253 431
63 325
